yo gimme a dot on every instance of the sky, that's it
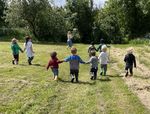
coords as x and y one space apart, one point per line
96 2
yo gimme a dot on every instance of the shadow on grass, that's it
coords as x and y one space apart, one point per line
116 76
38 65
104 80
80 82
142 77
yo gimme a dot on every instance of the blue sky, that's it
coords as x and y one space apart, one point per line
96 2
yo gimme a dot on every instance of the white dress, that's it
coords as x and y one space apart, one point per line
28 49
103 58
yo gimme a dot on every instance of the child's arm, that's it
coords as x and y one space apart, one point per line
59 62
20 49
81 61
67 59
89 61
98 48
49 64
134 62
125 59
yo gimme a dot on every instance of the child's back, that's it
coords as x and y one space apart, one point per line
130 59
74 61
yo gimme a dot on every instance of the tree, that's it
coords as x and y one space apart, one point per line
2 9
82 13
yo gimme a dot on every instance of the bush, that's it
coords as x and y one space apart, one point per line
140 41
19 33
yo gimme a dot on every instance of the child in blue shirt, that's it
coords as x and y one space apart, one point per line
74 61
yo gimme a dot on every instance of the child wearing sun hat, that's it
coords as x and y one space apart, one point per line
130 61
15 51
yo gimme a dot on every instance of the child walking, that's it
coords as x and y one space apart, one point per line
103 59
74 61
29 49
91 49
54 64
15 51
129 60
69 39
94 65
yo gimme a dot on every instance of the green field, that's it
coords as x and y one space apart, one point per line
28 89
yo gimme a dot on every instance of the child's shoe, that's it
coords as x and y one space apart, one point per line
56 78
126 74
92 77
13 62
101 73
72 80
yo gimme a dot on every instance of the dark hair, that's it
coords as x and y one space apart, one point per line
92 43
102 41
93 53
27 38
53 54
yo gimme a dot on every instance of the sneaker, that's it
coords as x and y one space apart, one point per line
92 77
72 80
55 78
13 62
101 73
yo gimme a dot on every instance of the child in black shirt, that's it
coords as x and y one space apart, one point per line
129 60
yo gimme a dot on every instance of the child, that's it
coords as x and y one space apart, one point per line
15 50
91 48
53 63
69 39
129 60
103 59
29 49
74 64
94 65
100 45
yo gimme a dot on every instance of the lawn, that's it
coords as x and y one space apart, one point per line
28 89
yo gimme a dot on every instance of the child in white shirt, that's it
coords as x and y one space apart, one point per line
103 59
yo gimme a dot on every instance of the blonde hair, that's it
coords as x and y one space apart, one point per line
14 40
104 48
130 50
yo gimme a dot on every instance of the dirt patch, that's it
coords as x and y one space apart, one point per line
140 82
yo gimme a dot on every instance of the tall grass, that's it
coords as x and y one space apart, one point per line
140 41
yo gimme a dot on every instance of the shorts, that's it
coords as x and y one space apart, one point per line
94 70
74 72
69 43
55 71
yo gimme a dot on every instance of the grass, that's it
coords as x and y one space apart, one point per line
30 89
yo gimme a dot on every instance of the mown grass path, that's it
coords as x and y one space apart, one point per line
30 89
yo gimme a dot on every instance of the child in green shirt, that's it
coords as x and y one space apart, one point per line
15 51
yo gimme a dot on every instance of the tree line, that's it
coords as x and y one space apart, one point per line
117 21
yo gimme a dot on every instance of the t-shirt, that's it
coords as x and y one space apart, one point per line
93 61
74 61
15 48
103 58
130 60
28 49
53 63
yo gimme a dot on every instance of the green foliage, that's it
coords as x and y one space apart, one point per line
140 41
81 12
46 23
2 9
